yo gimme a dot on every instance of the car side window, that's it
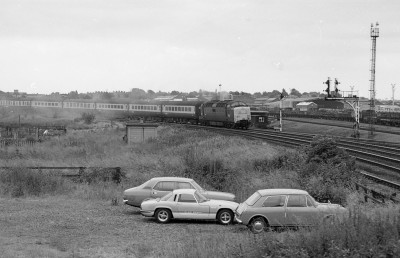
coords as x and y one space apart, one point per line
184 185
165 186
275 201
186 198
297 201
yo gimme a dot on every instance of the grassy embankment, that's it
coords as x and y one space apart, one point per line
216 162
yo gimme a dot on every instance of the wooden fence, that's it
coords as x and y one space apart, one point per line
375 196
16 142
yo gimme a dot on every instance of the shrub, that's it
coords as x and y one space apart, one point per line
328 172
95 175
18 182
88 118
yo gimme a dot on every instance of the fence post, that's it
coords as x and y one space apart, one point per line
116 177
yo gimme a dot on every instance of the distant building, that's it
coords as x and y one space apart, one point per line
264 101
167 98
306 106
387 108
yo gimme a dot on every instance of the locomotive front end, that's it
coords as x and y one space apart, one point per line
242 117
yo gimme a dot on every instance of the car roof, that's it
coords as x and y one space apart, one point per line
185 191
181 179
264 192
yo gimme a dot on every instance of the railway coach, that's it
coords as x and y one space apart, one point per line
181 111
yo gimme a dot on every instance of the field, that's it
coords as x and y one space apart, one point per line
44 215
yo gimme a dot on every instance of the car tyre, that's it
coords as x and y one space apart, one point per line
225 217
258 225
163 215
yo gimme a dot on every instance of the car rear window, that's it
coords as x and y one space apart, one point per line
186 198
253 199
297 201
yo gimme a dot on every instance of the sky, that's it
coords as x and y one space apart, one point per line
186 45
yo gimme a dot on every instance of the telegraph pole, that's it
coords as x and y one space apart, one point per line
393 89
280 113
374 35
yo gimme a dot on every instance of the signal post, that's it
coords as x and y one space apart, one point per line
350 98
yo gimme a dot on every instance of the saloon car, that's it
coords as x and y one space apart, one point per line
283 207
188 204
159 186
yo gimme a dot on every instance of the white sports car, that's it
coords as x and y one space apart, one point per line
188 204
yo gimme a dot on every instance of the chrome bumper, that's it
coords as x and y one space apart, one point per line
147 213
237 219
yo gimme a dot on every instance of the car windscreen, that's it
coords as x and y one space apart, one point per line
145 185
253 199
311 201
166 197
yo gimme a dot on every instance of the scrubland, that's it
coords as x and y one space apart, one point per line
45 215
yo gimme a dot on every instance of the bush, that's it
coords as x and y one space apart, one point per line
95 175
88 118
328 172
18 182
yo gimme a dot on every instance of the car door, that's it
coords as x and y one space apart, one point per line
162 188
273 207
189 208
299 211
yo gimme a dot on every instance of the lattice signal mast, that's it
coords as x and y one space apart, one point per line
374 35
350 98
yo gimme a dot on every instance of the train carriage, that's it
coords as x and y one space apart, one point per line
78 105
46 104
146 110
112 106
15 103
181 111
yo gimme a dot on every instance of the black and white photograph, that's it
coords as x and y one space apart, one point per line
199 128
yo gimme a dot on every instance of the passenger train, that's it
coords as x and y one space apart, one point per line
226 113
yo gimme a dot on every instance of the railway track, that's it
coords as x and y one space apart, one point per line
378 154
349 125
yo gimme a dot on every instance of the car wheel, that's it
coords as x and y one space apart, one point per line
258 225
225 217
163 215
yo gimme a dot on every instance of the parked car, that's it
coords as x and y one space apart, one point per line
283 207
159 186
188 204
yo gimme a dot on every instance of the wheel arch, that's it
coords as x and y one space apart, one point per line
165 208
224 208
260 216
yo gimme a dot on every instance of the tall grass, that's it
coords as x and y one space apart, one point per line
18 182
361 233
